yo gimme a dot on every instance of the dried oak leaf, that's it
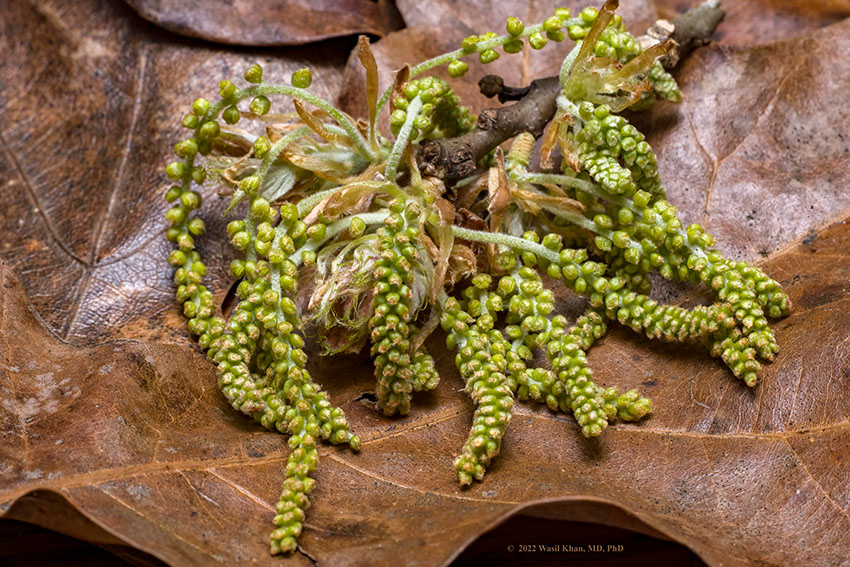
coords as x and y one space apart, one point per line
91 99
132 442
270 22
136 437
752 22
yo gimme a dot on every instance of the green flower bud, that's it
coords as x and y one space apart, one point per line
410 90
589 14
515 26
398 117
200 107
488 56
250 184
469 44
576 32
175 170
317 232
458 68
226 89
621 239
552 23
235 226
602 243
241 240
265 232
199 174
302 78
186 148
196 226
513 46
177 258
260 105
537 41
260 207
262 145
191 200
357 227
254 74
556 35
209 130
231 115
173 193
562 13
191 121
309 258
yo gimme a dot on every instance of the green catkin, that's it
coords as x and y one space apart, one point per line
481 360
375 243
393 309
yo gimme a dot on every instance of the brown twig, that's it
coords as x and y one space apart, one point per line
455 158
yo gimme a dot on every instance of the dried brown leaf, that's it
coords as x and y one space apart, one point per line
135 437
263 22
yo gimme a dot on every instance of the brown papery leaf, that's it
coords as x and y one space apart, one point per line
91 102
270 22
131 442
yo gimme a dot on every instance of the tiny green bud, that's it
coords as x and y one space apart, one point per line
552 23
199 174
309 258
260 105
175 170
398 117
537 41
515 26
196 226
173 194
231 114
237 268
557 35
562 13
241 240
458 68
513 46
191 200
191 121
187 148
469 44
250 184
262 145
589 14
410 90
254 74
226 89
576 32
200 107
177 258
488 56
175 215
317 232
209 130
302 78
357 227
260 207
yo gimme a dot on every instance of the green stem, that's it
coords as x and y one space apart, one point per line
513 242
302 94
479 47
401 142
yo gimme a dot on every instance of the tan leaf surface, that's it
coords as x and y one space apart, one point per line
91 101
136 438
